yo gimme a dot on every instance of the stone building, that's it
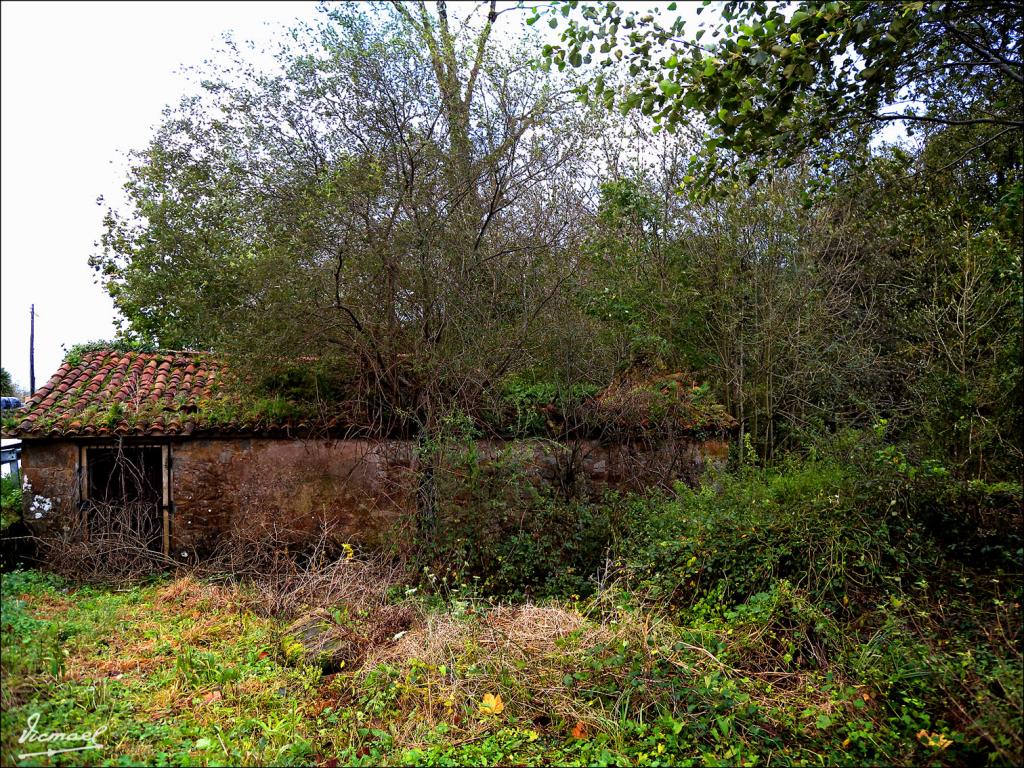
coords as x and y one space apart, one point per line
162 434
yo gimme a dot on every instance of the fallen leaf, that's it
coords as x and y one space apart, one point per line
580 730
492 704
213 696
935 740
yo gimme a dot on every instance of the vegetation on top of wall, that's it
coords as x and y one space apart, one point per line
320 397
655 403
638 403
531 407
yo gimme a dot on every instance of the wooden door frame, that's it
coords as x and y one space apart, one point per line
166 478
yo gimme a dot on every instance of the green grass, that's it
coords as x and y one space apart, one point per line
178 676
184 672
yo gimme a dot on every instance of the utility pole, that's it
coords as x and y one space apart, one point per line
32 352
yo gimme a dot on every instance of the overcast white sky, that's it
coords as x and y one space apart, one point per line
81 84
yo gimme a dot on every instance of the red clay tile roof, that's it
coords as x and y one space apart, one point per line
110 393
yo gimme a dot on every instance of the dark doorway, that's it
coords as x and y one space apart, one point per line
125 486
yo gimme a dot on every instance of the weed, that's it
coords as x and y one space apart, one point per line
10 501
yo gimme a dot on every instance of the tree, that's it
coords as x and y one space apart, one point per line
940 241
6 383
392 200
391 208
775 81
930 287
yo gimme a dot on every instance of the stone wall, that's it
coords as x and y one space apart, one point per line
360 489
49 472
286 488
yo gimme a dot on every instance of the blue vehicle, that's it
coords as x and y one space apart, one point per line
9 403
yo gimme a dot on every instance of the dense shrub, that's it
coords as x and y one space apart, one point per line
545 547
851 516
10 501
943 660
739 533
500 529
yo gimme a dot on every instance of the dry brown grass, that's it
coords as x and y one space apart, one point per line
133 666
360 583
190 593
47 606
521 632
523 653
